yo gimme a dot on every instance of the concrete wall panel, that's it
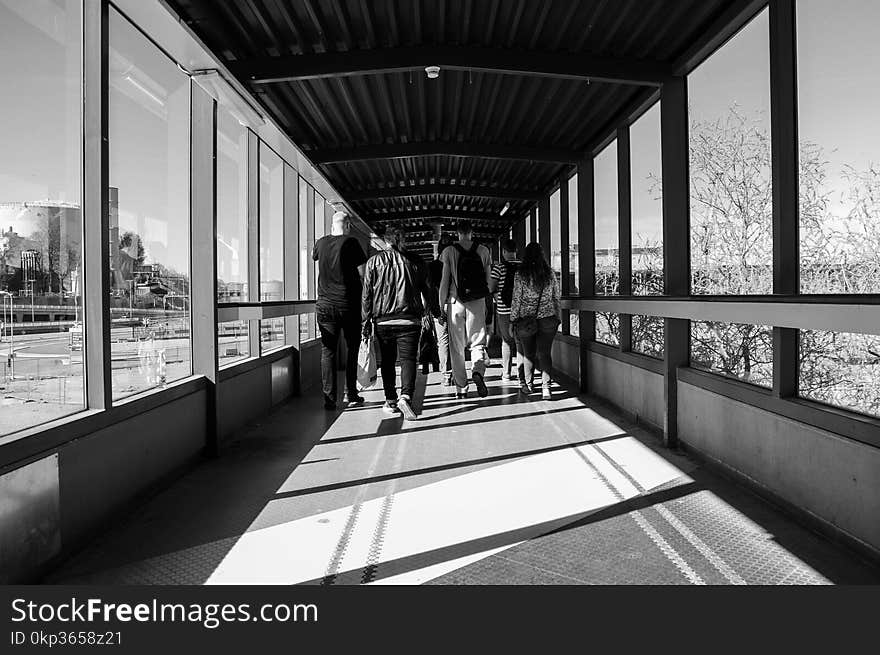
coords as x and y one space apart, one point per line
635 390
103 472
835 479
566 359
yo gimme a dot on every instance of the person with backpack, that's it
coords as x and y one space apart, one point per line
534 315
463 291
501 285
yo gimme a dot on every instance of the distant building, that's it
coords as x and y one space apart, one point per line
46 238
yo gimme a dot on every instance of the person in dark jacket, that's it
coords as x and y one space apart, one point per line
395 295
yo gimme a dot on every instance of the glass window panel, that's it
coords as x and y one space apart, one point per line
841 369
149 120
319 232
574 326
647 335
608 328
304 254
271 334
232 342
573 235
647 205
271 225
41 364
607 251
556 234
232 209
735 350
838 94
730 183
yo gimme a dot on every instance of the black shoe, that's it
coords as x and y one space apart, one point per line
355 401
480 384
329 404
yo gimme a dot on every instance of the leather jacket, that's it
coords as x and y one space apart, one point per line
393 285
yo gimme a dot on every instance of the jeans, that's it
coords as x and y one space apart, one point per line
334 322
466 323
398 341
539 346
508 346
443 347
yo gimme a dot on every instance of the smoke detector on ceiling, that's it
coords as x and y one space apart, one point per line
433 72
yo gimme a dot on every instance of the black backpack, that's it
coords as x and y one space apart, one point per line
471 280
507 290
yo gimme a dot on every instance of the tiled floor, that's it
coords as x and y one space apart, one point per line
492 491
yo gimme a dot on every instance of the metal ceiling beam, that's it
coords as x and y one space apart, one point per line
427 149
289 68
441 189
423 214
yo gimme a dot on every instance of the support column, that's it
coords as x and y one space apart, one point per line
786 210
676 241
203 253
624 231
564 250
544 226
533 225
95 291
253 219
586 261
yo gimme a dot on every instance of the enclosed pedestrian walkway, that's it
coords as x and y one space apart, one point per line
701 177
483 491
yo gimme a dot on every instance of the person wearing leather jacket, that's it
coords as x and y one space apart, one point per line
395 296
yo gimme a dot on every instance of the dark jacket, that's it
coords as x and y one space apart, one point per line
393 285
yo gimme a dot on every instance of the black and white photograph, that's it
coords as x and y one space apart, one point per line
412 294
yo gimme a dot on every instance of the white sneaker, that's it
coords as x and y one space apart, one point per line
390 409
404 407
545 394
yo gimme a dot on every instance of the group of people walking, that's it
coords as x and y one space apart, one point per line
393 296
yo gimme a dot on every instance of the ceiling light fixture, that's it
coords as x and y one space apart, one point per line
433 72
505 208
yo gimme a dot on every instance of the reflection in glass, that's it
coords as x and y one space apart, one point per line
271 334
271 225
841 369
730 182
607 239
736 350
41 313
608 328
838 93
647 335
232 209
647 206
573 236
149 116
232 342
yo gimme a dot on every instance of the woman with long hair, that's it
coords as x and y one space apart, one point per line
535 315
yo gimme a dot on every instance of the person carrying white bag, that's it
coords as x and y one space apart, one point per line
366 363
395 295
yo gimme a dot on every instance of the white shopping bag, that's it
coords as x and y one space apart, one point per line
366 373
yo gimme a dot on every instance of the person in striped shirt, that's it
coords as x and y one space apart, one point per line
501 285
